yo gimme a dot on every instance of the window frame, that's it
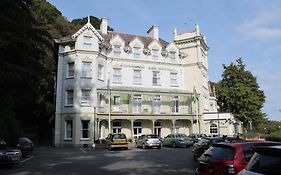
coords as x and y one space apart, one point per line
86 129
174 79
66 129
70 71
117 75
100 72
137 77
175 104
86 72
85 97
69 98
117 50
156 78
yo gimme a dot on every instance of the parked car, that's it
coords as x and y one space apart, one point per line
205 143
116 140
177 140
148 141
266 160
9 156
228 158
197 136
25 145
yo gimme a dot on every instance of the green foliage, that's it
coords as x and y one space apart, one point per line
78 23
239 93
275 136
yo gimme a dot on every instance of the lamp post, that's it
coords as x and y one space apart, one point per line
218 108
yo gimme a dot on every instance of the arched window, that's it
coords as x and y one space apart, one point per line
213 129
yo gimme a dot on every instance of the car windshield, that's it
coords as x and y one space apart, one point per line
181 135
119 136
265 164
152 136
220 152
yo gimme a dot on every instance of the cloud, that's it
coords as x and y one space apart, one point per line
262 27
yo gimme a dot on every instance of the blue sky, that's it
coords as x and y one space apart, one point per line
248 29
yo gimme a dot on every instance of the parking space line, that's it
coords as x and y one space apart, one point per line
83 150
26 159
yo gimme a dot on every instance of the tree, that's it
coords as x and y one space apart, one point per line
239 93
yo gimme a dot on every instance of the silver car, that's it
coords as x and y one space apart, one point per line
177 140
148 141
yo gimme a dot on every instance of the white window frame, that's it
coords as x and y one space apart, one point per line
68 129
137 77
213 128
155 54
116 127
155 78
137 128
175 104
137 103
157 104
69 100
172 56
174 79
117 50
100 71
117 77
70 69
136 52
86 129
86 97
86 69
87 41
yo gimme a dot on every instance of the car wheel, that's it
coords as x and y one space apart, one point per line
174 144
159 147
109 148
143 146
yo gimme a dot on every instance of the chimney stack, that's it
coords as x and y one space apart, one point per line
153 32
103 25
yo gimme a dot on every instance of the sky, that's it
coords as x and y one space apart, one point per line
247 29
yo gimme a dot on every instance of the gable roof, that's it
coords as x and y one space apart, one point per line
85 27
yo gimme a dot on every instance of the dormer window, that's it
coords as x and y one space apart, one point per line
136 51
172 56
117 50
87 41
155 54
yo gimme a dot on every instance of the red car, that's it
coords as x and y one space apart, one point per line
228 158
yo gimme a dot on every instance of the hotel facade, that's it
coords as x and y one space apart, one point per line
116 82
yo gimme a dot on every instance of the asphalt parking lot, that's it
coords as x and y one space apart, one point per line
76 161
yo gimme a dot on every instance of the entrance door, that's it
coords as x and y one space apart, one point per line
137 129
157 128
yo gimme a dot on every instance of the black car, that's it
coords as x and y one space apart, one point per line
205 143
25 145
266 160
9 156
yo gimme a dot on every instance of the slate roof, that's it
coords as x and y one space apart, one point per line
146 40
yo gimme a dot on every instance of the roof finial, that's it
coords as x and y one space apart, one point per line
88 18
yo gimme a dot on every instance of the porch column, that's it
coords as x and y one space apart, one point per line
173 127
153 126
132 128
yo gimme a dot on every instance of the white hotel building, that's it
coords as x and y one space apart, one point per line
115 82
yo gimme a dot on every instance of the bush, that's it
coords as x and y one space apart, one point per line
274 136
